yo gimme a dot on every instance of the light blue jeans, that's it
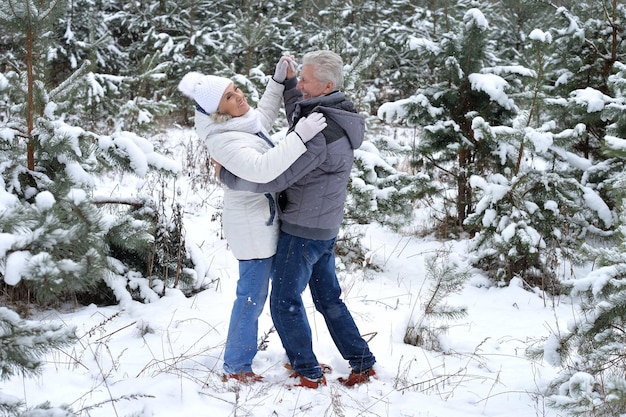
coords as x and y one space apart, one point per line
252 289
300 262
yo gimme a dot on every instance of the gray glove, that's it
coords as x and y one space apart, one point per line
281 69
309 126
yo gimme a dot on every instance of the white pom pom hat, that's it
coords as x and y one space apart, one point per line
206 90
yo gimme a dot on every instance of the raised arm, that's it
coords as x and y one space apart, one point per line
291 96
307 162
272 99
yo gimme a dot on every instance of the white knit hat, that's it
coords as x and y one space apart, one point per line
206 90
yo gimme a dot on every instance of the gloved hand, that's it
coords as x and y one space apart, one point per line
309 126
285 63
281 69
292 68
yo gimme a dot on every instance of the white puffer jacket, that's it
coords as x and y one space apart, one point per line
237 147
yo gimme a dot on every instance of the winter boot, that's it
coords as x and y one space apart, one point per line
313 383
247 378
356 378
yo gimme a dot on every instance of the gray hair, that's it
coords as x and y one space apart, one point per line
328 66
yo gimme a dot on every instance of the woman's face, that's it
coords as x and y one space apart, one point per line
233 102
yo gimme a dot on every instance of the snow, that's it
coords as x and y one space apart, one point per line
595 281
140 151
396 111
542 141
4 83
540 36
44 200
474 17
77 196
15 264
563 78
596 203
75 171
510 69
550 351
163 358
493 85
573 159
615 143
415 43
591 98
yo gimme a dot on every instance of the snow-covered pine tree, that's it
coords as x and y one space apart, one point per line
587 41
463 85
164 41
513 182
400 68
445 277
256 35
58 235
83 33
22 346
126 91
61 235
524 201
382 188
616 110
538 208
591 352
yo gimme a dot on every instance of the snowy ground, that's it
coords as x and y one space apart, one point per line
163 359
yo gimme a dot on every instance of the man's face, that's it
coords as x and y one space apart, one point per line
311 86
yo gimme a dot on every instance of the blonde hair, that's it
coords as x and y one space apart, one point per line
220 117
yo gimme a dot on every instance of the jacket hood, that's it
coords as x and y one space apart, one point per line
337 107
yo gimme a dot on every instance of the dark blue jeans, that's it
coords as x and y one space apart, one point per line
252 289
300 262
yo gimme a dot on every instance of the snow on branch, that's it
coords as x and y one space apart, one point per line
139 151
494 86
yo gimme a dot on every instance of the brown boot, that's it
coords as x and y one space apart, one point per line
326 369
356 378
313 383
247 378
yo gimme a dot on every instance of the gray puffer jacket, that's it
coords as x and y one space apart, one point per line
315 186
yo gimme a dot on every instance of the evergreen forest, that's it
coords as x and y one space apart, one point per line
517 110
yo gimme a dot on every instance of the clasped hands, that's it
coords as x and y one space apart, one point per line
285 68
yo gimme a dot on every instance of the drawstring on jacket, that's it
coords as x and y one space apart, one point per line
269 196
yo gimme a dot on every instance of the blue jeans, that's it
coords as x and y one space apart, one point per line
252 289
300 262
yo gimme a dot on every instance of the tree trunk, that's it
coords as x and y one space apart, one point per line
30 111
